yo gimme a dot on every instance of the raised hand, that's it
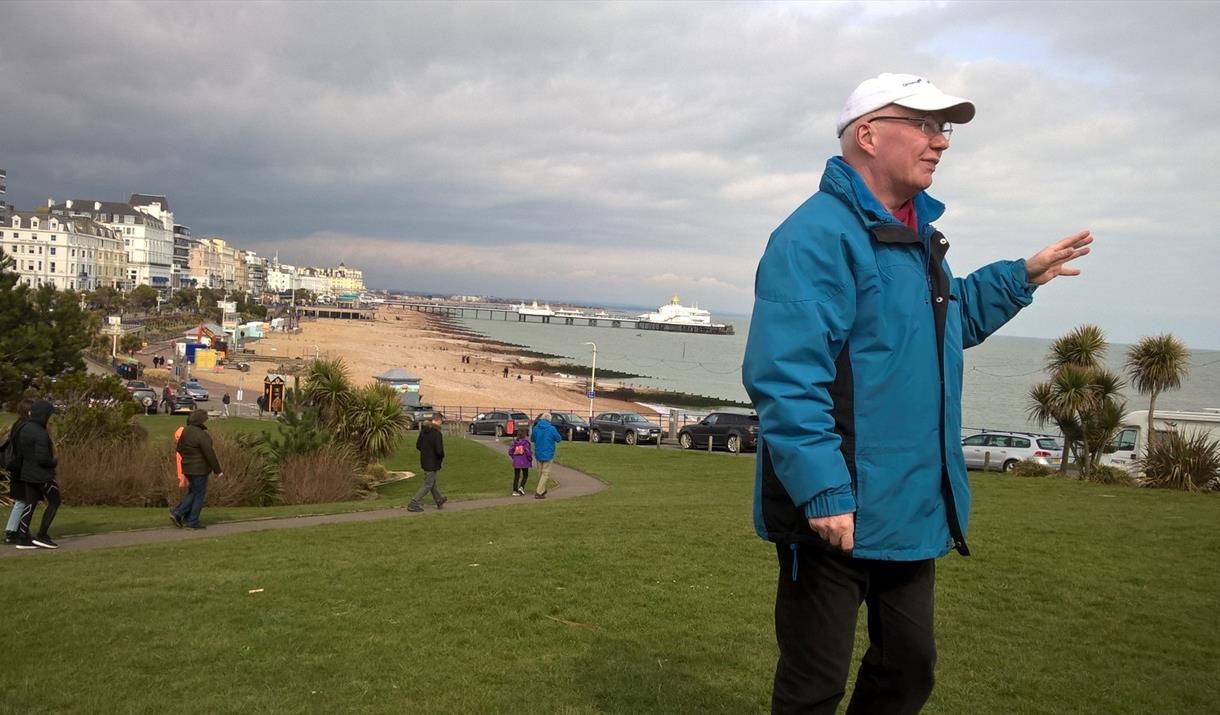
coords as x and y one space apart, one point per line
1052 261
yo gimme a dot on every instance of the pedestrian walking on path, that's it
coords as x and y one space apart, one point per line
198 462
431 446
37 476
225 401
522 454
16 489
545 437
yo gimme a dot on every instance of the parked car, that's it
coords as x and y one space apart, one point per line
183 404
733 431
498 422
195 390
1008 448
629 427
147 397
570 425
421 414
133 385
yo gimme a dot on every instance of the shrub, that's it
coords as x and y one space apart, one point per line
1190 462
145 474
1107 474
87 424
250 477
126 473
1031 469
326 475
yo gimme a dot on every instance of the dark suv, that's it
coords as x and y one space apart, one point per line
421 414
629 427
499 422
733 431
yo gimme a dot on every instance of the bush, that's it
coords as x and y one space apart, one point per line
125 473
329 474
1031 469
144 474
87 424
1189 462
1106 474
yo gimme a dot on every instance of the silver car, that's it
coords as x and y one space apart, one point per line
1002 450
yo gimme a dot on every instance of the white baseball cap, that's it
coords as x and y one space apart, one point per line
905 90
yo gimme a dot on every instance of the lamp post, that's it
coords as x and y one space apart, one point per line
592 381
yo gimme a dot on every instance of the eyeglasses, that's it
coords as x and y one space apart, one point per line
927 125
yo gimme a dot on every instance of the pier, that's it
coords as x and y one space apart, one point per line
494 312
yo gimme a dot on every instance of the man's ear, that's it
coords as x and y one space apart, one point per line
865 138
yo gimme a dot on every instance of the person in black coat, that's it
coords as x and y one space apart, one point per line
431 446
37 476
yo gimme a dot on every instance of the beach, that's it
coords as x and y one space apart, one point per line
431 348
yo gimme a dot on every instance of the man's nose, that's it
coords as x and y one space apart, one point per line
940 142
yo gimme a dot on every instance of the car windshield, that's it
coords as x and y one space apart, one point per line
1049 443
570 418
634 418
520 416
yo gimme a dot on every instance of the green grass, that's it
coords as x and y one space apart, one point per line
471 471
651 597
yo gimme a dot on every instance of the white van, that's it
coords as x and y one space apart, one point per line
1130 444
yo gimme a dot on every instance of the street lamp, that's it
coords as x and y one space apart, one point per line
592 381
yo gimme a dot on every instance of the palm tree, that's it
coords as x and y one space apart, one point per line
374 420
327 386
1157 363
1074 392
1083 347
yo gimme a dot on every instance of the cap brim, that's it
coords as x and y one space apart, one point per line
955 109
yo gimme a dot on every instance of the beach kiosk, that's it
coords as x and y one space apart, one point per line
402 380
273 392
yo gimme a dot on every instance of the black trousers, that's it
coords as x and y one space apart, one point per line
31 493
816 605
520 476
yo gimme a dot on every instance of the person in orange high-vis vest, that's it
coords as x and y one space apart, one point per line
178 459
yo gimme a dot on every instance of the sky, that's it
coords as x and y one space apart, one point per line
620 153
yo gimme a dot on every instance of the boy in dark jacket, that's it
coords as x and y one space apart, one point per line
431 446
37 476
198 461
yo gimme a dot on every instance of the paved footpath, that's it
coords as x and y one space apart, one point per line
569 484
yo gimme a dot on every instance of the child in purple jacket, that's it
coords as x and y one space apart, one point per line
522 453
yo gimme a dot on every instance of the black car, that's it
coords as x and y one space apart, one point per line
731 430
183 404
629 427
498 422
570 425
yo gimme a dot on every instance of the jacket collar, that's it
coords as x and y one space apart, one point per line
844 183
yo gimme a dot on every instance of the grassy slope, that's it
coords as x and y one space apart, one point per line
651 597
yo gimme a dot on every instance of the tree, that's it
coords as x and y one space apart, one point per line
1155 364
1081 396
42 332
185 299
106 300
143 297
327 386
374 421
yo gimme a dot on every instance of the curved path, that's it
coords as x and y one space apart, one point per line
569 484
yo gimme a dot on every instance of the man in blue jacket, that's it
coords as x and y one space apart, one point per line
545 437
854 363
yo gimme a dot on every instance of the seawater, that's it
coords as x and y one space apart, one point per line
996 382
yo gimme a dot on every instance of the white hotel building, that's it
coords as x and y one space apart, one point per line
69 253
142 223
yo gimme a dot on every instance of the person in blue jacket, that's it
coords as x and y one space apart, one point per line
854 364
545 437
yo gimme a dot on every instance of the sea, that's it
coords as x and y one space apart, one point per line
996 382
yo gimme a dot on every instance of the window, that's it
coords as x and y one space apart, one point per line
1018 442
52 250
1048 443
710 419
52 267
1126 439
977 440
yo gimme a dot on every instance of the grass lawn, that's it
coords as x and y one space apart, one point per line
651 597
471 471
